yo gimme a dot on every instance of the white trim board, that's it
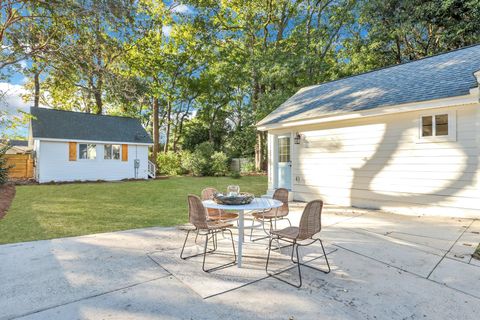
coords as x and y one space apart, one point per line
470 99
93 141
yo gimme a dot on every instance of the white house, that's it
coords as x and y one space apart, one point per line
75 146
404 139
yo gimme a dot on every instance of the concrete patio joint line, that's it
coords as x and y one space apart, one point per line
451 247
406 271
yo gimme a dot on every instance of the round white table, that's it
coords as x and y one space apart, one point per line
256 204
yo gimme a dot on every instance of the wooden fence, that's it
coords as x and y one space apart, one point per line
22 166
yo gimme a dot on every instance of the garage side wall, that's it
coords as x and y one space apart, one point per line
53 164
381 163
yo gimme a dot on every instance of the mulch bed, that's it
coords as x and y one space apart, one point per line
7 193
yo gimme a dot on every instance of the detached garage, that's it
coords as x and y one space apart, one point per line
404 139
75 146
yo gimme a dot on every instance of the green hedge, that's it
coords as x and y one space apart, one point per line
203 161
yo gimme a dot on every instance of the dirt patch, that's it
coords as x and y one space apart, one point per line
7 193
22 182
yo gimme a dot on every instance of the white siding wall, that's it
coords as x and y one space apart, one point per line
378 163
53 164
36 159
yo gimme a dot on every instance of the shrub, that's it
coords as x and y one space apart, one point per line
248 166
204 161
235 175
170 163
219 163
3 165
199 162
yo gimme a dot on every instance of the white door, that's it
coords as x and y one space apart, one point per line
284 168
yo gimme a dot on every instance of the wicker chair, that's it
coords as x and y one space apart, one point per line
217 214
310 224
272 215
197 217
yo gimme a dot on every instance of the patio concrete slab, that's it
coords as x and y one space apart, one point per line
353 290
346 293
43 274
465 246
164 298
111 276
448 229
458 275
475 262
404 255
231 277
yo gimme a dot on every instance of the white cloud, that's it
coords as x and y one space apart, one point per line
12 100
167 30
182 8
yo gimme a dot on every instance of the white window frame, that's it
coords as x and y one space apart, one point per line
112 145
87 159
452 127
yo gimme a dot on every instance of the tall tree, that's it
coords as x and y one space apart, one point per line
395 31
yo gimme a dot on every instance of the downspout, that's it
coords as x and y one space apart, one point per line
477 89
476 92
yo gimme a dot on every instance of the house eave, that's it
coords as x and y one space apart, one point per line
93 141
472 98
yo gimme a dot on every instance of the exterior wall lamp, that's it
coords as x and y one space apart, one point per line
297 138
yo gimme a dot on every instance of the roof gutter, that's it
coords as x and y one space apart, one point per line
472 98
92 141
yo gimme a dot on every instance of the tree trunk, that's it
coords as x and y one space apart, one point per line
36 80
98 102
264 164
258 152
156 126
180 127
167 134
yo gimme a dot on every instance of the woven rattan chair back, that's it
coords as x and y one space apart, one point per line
281 194
196 212
310 223
207 194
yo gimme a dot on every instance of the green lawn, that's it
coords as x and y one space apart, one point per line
53 211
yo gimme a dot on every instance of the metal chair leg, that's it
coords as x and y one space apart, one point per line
289 222
233 246
214 241
214 232
196 236
325 255
251 229
275 275
262 221
205 251
268 255
298 263
194 255
184 243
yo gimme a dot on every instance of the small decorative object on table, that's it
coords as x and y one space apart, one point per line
233 190
238 199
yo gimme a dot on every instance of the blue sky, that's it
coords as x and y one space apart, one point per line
13 87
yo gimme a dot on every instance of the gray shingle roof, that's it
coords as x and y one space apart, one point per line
15 143
58 124
441 76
